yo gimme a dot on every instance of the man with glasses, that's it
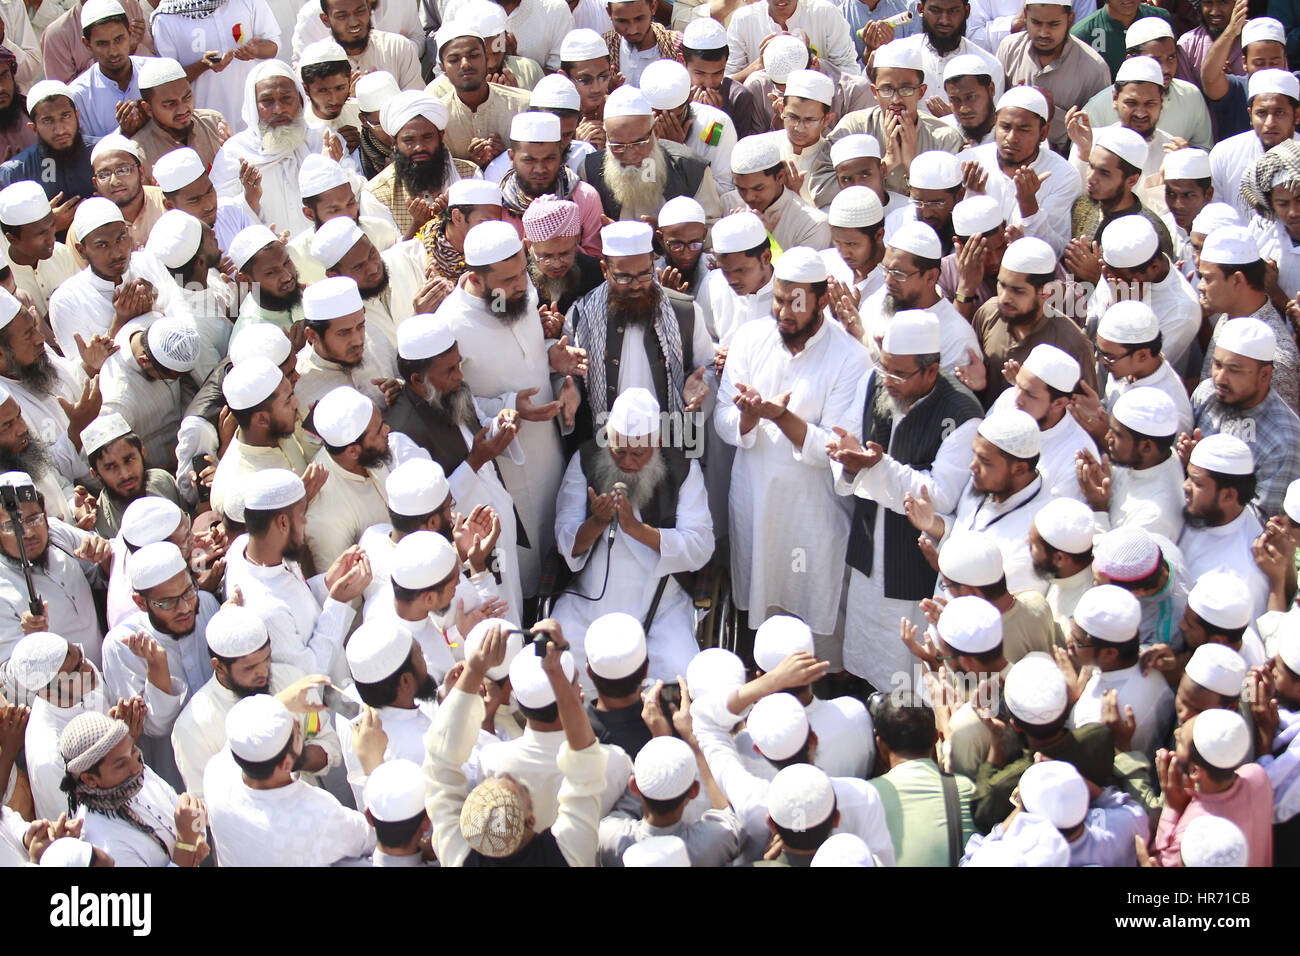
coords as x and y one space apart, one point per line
559 270
805 115
119 175
941 40
1130 348
679 238
763 181
935 188
585 60
537 168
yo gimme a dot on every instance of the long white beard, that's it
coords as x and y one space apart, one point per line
640 187
886 404
640 486
283 139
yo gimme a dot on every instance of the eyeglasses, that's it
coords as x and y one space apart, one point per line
900 275
799 121
1110 360
585 80
889 92
31 523
185 597
676 245
618 149
104 175
449 508
623 279
894 377
924 204
557 257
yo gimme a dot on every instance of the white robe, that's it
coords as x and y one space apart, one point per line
155 805
956 337
1228 163
45 764
1276 243
1056 195
281 201
1227 548
1056 457
1148 694
1150 498
1165 379
1176 305
405 730
1008 523
83 305
46 417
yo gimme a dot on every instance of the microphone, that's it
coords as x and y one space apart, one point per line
620 488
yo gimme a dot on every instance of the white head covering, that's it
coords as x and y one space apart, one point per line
1141 69
627 101
36 659
157 71
1262 28
615 645
970 625
93 11
1056 790
1217 667
778 726
1013 431
43 90
93 213
898 55
377 649
155 563
966 64
531 685
1147 411
582 44
374 90
918 239
248 242
416 487
680 210
514 644
1131 245
1025 98
266 70
103 431
843 849
635 414
1029 256
1249 337
1273 81
174 238
1212 216
856 207
262 340
480 192
1054 367
1109 613
1187 163
235 632
408 105
627 238
23 203
1128 323
1128 553
755 154
460 26
800 797
258 727
331 298
1291 503
935 169
491 242
739 232
665 84
531 127
327 50
1213 841
971 558
800 264
342 416
1221 738
555 91
116 143
251 382
667 850
810 85
912 332
1035 689
149 519
854 146
1124 143
395 791
716 668
335 239
423 559
1146 29
664 768
704 33
976 215
271 489
783 55
422 336
319 174
1223 454
777 638
1229 246
71 852
174 343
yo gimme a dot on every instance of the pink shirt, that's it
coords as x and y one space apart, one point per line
1247 803
1192 48
590 211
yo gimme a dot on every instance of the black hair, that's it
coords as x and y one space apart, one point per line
987 657
542 715
262 769
666 806
314 72
244 416
131 438
1042 731
798 757
258 521
148 353
1163 442
86 31
401 593
1127 651
811 838
819 289
336 450
230 661
774 171
1243 485
1217 774
567 65
905 722
1081 557
1126 169
1253 272
319 327
402 832
621 686
871 232
923 264
1154 346
920 74
995 591
408 367
712 56
1232 635
758 250
825 108
382 693
559 111
407 524
1039 280
1146 583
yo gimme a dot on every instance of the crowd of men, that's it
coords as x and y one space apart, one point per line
566 433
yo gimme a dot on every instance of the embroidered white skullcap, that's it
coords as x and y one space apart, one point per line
635 413
1109 613
529 127
1223 454
377 649
1187 163
755 154
251 382
175 170
514 644
334 240
1262 28
854 146
333 297
116 143
327 50
800 797
1213 841
36 659
856 207
258 728
811 85
1249 337
248 242
1025 98
235 632
1013 431
319 174
627 238
935 169
971 558
158 71
778 637
1129 242
1291 503
1273 81
717 669
1221 738
1214 215
843 849
1221 599
1056 790
1054 367
455 28
423 336
1141 69
1217 667
1123 142
409 104
260 340
918 239
71 852
376 89
664 768
1029 256
665 84
103 431
680 210
739 232
491 242
233 506
627 101
1128 553
1128 323
970 625
23 203
667 850
174 239
555 91
531 685
966 64
155 563
616 647
1229 246
174 343
899 55
270 489
778 726
976 215
43 90
704 33
93 11
416 487
93 213
800 264
342 416
783 55
1035 689
912 332
1147 411
422 559
395 790
582 44
149 519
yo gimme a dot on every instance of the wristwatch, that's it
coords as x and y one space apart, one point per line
959 297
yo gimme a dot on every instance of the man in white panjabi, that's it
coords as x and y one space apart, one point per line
341 349
38 262
1133 328
1230 158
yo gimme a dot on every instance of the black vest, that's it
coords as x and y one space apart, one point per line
685 173
915 442
661 510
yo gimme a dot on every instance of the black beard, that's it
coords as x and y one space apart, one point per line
40 376
428 690
1211 519
181 135
11 115
426 177
355 49
243 690
379 288
34 459
276 303
162 628
1019 320
369 458
512 312
635 313
70 154
943 46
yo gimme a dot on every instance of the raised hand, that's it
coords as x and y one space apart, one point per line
849 452
1186 443
535 413
567 360
1122 728
694 390
974 374
1094 479
250 179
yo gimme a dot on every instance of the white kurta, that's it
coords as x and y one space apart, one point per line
440 641
390 15
318 376
83 305
40 281
346 505
46 417
405 729
1149 696
281 203
210 310
62 584
956 337
1276 244
1150 498
724 311
826 27
45 764
1176 305
1060 444
152 407
934 63
1165 379
538 27
1227 548
155 805
240 459
1008 523
1056 195
1228 163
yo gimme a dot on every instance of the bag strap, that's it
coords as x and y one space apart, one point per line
952 810
654 604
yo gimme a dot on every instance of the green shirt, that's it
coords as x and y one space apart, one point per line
912 794
1105 34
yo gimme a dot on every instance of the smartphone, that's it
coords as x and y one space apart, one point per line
670 698
340 704
198 463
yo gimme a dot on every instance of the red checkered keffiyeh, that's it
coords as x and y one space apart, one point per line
548 217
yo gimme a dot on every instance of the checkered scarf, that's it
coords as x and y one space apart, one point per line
1279 166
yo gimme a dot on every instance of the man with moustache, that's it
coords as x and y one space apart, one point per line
38 262
15 134
679 241
185 184
22 450
942 39
116 456
762 179
351 24
119 177
421 168
340 349
60 158
1272 99
560 271
479 113
1194 45
968 85
537 169
170 118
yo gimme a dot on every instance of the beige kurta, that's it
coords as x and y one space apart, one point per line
392 53
378 231
204 139
346 505
493 116
40 280
240 459
319 375
793 222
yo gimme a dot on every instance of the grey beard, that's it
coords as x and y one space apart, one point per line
639 187
892 305
40 376
457 405
548 289
886 404
640 486
283 139
34 459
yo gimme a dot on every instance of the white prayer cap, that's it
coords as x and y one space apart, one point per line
704 33
1128 553
800 264
374 90
1291 503
1128 244
319 174
342 416
615 645
715 668
174 238
9 309
422 559
23 203
778 726
488 17
408 105
783 55
480 192
627 101
1145 30
970 625
1035 689
635 413
1273 81
260 340
149 519
1229 246
555 91
322 51
755 154
270 489
854 146
1109 613
810 85
454 29
1035 841
935 169
416 487
966 64
1147 411
971 558
36 659
491 242
1262 28
843 849
1002 854
1013 431
627 238
665 850
918 239
514 644
233 506
739 232
680 210
665 84
1029 256
1025 98
582 44
778 637
1214 215
334 297
1217 667
93 11
1056 790
1053 366
423 336
1221 737
856 207
334 240
395 790
976 215
235 632
155 563
530 127
1212 841
531 685
1223 454
251 382
1124 143
800 797
1129 322
664 768
116 143
1142 69
1249 337
912 332
157 71
102 431
248 242
258 728
43 90
898 55
1187 163
93 213
173 343
175 170
71 852
377 649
